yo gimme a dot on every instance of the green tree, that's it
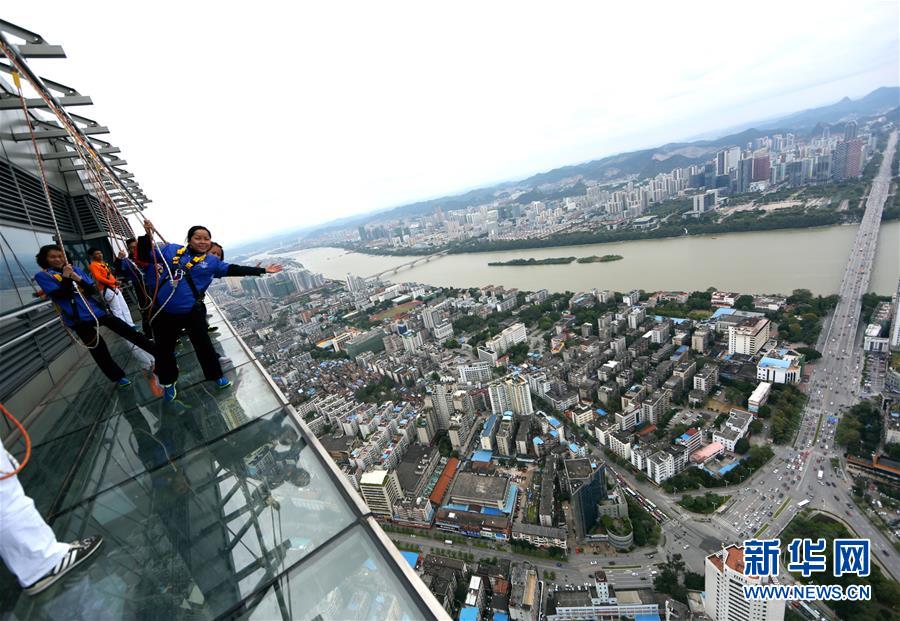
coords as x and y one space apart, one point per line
694 581
744 302
741 446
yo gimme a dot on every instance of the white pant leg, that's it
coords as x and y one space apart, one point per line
119 308
28 546
117 305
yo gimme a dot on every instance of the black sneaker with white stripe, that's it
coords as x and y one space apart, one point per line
79 551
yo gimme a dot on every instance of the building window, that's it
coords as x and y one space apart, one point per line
17 266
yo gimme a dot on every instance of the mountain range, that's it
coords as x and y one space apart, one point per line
645 162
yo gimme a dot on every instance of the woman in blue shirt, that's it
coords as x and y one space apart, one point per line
180 276
71 290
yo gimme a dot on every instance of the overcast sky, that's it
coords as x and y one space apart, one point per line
270 117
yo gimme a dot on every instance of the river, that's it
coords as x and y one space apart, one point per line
757 262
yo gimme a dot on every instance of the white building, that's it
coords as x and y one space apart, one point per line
749 336
620 444
475 373
412 341
724 597
439 399
462 426
780 366
443 331
759 397
380 489
510 394
598 600
707 378
735 428
513 335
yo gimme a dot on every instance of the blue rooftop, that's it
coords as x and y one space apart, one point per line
482 456
489 425
537 441
722 311
775 363
601 411
469 613
511 499
573 447
411 557
501 616
728 468
653 617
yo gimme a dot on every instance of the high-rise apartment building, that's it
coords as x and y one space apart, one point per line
749 336
380 489
587 487
725 580
439 399
510 394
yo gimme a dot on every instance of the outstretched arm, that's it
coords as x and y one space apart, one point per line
245 270
145 246
230 269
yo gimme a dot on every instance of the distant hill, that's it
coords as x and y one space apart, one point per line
879 100
646 162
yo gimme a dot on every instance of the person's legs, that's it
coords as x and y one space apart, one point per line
166 329
118 306
90 336
119 309
128 333
203 347
27 545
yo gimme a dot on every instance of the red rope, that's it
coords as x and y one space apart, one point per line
27 439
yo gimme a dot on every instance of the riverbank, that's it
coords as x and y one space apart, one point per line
816 258
741 222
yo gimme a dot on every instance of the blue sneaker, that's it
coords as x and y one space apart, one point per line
169 392
123 382
223 382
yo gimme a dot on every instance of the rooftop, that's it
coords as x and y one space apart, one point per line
479 489
577 469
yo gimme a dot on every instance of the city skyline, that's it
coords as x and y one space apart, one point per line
387 127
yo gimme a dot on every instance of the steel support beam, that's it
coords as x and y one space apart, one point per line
65 155
47 134
13 103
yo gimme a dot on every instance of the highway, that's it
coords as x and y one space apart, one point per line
765 504
834 386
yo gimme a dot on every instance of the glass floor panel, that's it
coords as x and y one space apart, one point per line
99 401
192 536
213 505
348 580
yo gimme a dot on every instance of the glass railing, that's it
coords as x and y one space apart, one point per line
217 505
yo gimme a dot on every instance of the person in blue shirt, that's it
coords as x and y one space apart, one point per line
71 290
180 279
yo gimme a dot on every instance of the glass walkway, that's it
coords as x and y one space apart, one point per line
217 505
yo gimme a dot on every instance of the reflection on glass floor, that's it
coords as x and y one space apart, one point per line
215 505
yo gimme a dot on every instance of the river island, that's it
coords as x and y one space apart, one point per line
606 258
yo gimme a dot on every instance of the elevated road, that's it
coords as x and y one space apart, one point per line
765 504
834 386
